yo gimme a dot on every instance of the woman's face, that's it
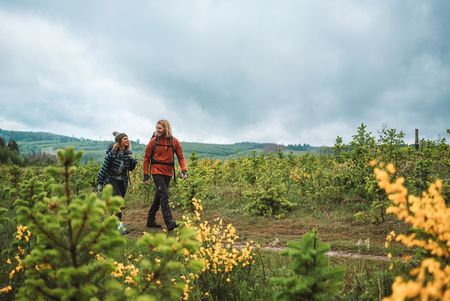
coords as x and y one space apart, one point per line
124 142
159 130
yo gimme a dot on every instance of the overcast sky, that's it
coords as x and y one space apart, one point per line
225 71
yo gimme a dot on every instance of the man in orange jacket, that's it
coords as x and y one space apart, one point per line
160 155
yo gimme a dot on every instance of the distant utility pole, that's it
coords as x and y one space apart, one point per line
417 140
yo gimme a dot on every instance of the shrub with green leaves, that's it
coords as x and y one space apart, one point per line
313 279
85 177
15 175
3 217
193 186
268 196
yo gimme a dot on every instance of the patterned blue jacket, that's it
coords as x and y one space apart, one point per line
116 165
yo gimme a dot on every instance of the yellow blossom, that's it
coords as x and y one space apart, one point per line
429 214
6 289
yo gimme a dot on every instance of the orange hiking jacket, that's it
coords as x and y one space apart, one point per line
163 153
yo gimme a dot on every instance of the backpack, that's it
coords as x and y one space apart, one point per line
154 161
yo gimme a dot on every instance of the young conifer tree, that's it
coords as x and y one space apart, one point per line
314 278
70 231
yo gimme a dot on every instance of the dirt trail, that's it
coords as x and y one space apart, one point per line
338 254
342 254
136 219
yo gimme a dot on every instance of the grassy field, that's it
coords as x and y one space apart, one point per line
364 274
274 199
335 225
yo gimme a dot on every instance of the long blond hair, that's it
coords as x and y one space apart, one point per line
167 128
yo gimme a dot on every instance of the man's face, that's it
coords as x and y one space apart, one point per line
159 130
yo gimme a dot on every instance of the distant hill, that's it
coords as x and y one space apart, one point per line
33 136
42 142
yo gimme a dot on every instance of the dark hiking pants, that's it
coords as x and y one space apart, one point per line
161 199
119 189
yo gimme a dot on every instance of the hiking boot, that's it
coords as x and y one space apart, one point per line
153 225
122 229
172 226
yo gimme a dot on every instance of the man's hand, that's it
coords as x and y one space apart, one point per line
184 175
146 179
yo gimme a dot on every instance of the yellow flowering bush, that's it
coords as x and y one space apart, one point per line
164 272
429 217
223 261
16 265
17 245
299 176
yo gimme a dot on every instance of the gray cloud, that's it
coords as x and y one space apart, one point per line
226 71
